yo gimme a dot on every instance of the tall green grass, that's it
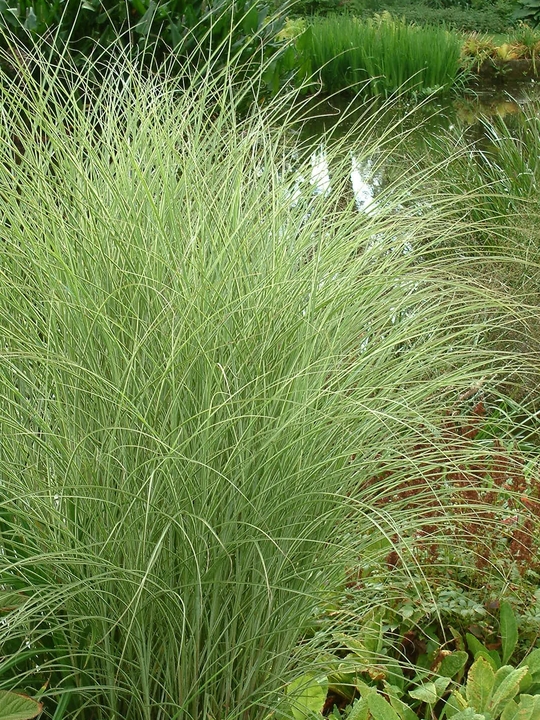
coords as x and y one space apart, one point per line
496 163
196 377
381 55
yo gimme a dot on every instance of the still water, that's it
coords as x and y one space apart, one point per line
414 124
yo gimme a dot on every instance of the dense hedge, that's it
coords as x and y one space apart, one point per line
489 18
493 16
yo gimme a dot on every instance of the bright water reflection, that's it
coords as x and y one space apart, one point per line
438 118
364 180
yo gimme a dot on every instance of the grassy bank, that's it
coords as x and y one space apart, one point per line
213 397
386 53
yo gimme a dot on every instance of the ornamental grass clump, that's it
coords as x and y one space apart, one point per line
197 375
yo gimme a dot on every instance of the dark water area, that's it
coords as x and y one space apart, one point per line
403 127
440 113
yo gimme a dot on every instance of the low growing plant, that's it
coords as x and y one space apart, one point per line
375 680
14 706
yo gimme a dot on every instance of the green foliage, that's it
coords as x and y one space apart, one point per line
509 631
449 685
152 27
483 16
381 55
18 707
306 696
487 20
529 11
316 7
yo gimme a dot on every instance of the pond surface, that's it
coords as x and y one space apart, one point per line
335 119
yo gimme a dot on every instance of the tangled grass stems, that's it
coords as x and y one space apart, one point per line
197 376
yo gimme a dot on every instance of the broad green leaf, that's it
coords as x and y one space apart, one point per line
487 655
533 662
479 650
145 23
455 704
500 675
468 714
453 664
441 684
18 707
392 690
364 689
367 649
394 673
528 708
526 683
381 708
351 643
250 20
520 13
495 659
425 693
474 644
359 711
31 22
480 684
507 690
402 708
509 632
344 683
510 711
373 636
307 695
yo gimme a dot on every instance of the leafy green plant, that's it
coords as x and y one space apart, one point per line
18 707
306 696
486 694
529 11
484 17
442 687
477 49
493 694
150 27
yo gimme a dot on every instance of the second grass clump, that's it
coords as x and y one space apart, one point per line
346 52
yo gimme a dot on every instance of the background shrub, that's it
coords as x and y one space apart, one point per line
478 15
153 27
486 20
